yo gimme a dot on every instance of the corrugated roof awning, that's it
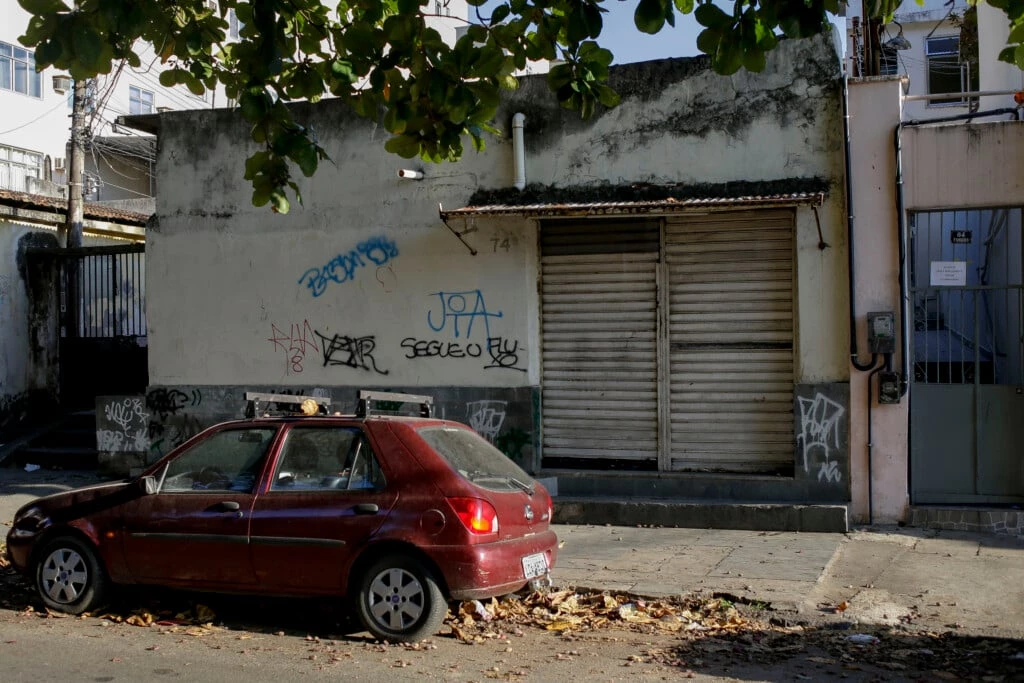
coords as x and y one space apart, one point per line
656 206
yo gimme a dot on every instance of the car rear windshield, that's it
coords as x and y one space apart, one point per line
476 459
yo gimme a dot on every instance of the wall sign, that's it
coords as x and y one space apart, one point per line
949 274
960 236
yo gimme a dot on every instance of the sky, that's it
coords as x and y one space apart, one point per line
628 44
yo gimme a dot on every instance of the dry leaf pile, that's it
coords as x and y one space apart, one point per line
570 611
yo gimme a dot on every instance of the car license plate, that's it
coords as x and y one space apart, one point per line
535 565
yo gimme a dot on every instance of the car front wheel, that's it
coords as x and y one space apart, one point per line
69 576
399 600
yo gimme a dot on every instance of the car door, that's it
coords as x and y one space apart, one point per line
194 530
327 496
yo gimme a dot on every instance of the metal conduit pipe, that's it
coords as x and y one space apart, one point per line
871 378
519 150
849 235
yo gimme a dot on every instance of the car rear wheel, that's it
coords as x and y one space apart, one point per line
69 577
400 600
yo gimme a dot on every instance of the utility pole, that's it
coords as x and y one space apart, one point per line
72 237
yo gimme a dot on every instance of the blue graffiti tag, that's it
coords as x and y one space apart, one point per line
342 268
455 306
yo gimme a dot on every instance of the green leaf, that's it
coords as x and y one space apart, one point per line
306 157
684 6
1016 35
708 40
404 146
169 78
754 60
1018 56
649 16
43 7
499 14
713 17
279 202
607 96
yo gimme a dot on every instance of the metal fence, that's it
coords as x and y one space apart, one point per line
103 292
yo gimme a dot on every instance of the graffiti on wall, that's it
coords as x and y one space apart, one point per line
294 344
458 314
486 417
458 311
819 435
352 352
170 422
342 268
131 433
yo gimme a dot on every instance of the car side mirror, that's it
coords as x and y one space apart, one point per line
148 485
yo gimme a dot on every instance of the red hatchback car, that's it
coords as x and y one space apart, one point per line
398 514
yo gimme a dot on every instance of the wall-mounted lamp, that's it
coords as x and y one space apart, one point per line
899 41
61 83
409 174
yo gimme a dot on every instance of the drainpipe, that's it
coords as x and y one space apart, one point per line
849 236
519 150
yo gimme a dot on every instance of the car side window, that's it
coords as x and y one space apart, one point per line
326 459
229 460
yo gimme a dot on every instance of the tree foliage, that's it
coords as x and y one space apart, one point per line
387 63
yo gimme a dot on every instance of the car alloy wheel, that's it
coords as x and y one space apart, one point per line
69 577
64 576
400 600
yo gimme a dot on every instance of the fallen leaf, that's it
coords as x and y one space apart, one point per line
843 606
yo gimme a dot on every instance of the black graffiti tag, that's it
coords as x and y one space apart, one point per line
353 352
504 354
164 402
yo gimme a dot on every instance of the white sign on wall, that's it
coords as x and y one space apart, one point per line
949 274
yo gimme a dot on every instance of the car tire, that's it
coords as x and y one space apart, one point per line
69 576
400 600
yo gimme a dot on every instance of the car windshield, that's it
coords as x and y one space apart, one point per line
476 459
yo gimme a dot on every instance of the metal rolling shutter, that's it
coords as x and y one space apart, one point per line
599 342
730 279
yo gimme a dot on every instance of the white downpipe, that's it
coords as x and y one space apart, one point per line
519 150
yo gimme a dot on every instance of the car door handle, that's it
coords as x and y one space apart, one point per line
366 509
228 506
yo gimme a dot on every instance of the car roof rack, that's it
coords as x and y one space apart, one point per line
286 404
364 407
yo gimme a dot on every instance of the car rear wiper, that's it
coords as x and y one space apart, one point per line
519 484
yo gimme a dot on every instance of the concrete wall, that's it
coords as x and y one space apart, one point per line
874 112
28 325
364 286
28 328
964 166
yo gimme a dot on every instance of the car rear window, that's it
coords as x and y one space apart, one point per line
476 459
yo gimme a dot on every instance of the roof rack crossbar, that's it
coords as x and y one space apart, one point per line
253 400
367 398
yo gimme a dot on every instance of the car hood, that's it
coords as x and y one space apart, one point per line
80 502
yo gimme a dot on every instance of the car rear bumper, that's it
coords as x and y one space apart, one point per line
474 572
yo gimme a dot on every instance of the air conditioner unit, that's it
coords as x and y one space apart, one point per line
58 163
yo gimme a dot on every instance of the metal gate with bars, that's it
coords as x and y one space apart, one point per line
668 344
967 398
102 323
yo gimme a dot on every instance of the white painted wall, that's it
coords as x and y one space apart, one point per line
964 166
995 75
874 113
222 274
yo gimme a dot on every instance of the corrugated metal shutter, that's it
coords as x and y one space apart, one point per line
731 341
599 342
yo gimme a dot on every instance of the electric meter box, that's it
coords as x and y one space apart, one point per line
882 332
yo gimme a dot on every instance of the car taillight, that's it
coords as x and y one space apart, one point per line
477 515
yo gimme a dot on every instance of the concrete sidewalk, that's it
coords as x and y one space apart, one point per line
938 580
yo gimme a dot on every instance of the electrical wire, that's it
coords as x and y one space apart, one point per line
62 103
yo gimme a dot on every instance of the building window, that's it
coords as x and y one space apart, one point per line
17 166
946 72
139 101
18 71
